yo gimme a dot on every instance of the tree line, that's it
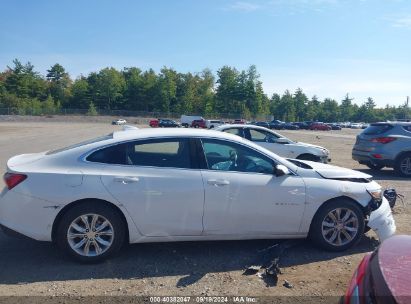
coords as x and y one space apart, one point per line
230 92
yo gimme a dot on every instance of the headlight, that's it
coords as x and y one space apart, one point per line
375 194
376 200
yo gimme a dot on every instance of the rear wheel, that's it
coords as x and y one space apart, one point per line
91 232
337 225
374 166
403 165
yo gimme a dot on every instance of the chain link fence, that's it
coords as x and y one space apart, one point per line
123 113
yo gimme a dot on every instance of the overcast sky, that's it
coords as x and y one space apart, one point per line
326 47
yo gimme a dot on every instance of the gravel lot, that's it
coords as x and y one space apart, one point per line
180 269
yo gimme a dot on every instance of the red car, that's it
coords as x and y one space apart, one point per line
239 121
320 126
154 123
199 123
383 276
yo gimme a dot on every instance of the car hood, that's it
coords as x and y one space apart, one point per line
334 172
309 145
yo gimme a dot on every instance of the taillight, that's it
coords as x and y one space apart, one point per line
13 179
383 140
355 288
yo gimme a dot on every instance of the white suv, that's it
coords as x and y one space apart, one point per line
211 124
278 144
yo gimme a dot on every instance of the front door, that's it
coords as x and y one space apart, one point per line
243 196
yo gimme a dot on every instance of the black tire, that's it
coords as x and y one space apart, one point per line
316 229
374 166
400 165
309 157
93 207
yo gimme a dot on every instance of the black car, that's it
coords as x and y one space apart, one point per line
277 125
261 124
167 123
291 126
302 125
334 126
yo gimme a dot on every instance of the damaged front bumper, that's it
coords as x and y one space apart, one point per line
381 221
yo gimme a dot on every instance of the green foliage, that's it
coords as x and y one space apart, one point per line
231 94
92 111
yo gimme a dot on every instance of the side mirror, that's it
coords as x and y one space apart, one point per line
280 170
282 140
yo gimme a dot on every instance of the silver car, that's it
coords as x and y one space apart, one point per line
385 144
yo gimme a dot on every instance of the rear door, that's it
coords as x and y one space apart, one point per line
158 183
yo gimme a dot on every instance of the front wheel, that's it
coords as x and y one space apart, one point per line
91 232
337 225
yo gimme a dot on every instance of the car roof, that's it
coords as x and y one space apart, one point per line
228 126
167 132
394 257
392 123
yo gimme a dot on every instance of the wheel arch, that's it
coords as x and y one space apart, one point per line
401 154
363 209
67 207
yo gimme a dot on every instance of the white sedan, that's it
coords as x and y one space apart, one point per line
119 122
278 144
155 185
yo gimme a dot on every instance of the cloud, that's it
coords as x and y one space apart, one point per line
404 22
244 6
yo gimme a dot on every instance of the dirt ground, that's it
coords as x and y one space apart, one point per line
30 268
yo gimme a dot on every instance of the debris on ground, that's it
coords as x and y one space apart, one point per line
269 261
253 269
287 284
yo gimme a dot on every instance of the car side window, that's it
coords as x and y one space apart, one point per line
407 128
235 131
227 156
114 155
262 136
171 153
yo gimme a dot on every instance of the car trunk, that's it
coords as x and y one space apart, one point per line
14 164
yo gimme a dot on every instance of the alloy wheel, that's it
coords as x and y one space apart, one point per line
90 235
340 226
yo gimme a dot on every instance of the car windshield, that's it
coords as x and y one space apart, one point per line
376 129
87 142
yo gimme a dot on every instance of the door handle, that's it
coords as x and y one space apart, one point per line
126 179
218 182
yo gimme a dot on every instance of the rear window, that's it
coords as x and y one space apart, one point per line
407 128
172 153
376 129
87 142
